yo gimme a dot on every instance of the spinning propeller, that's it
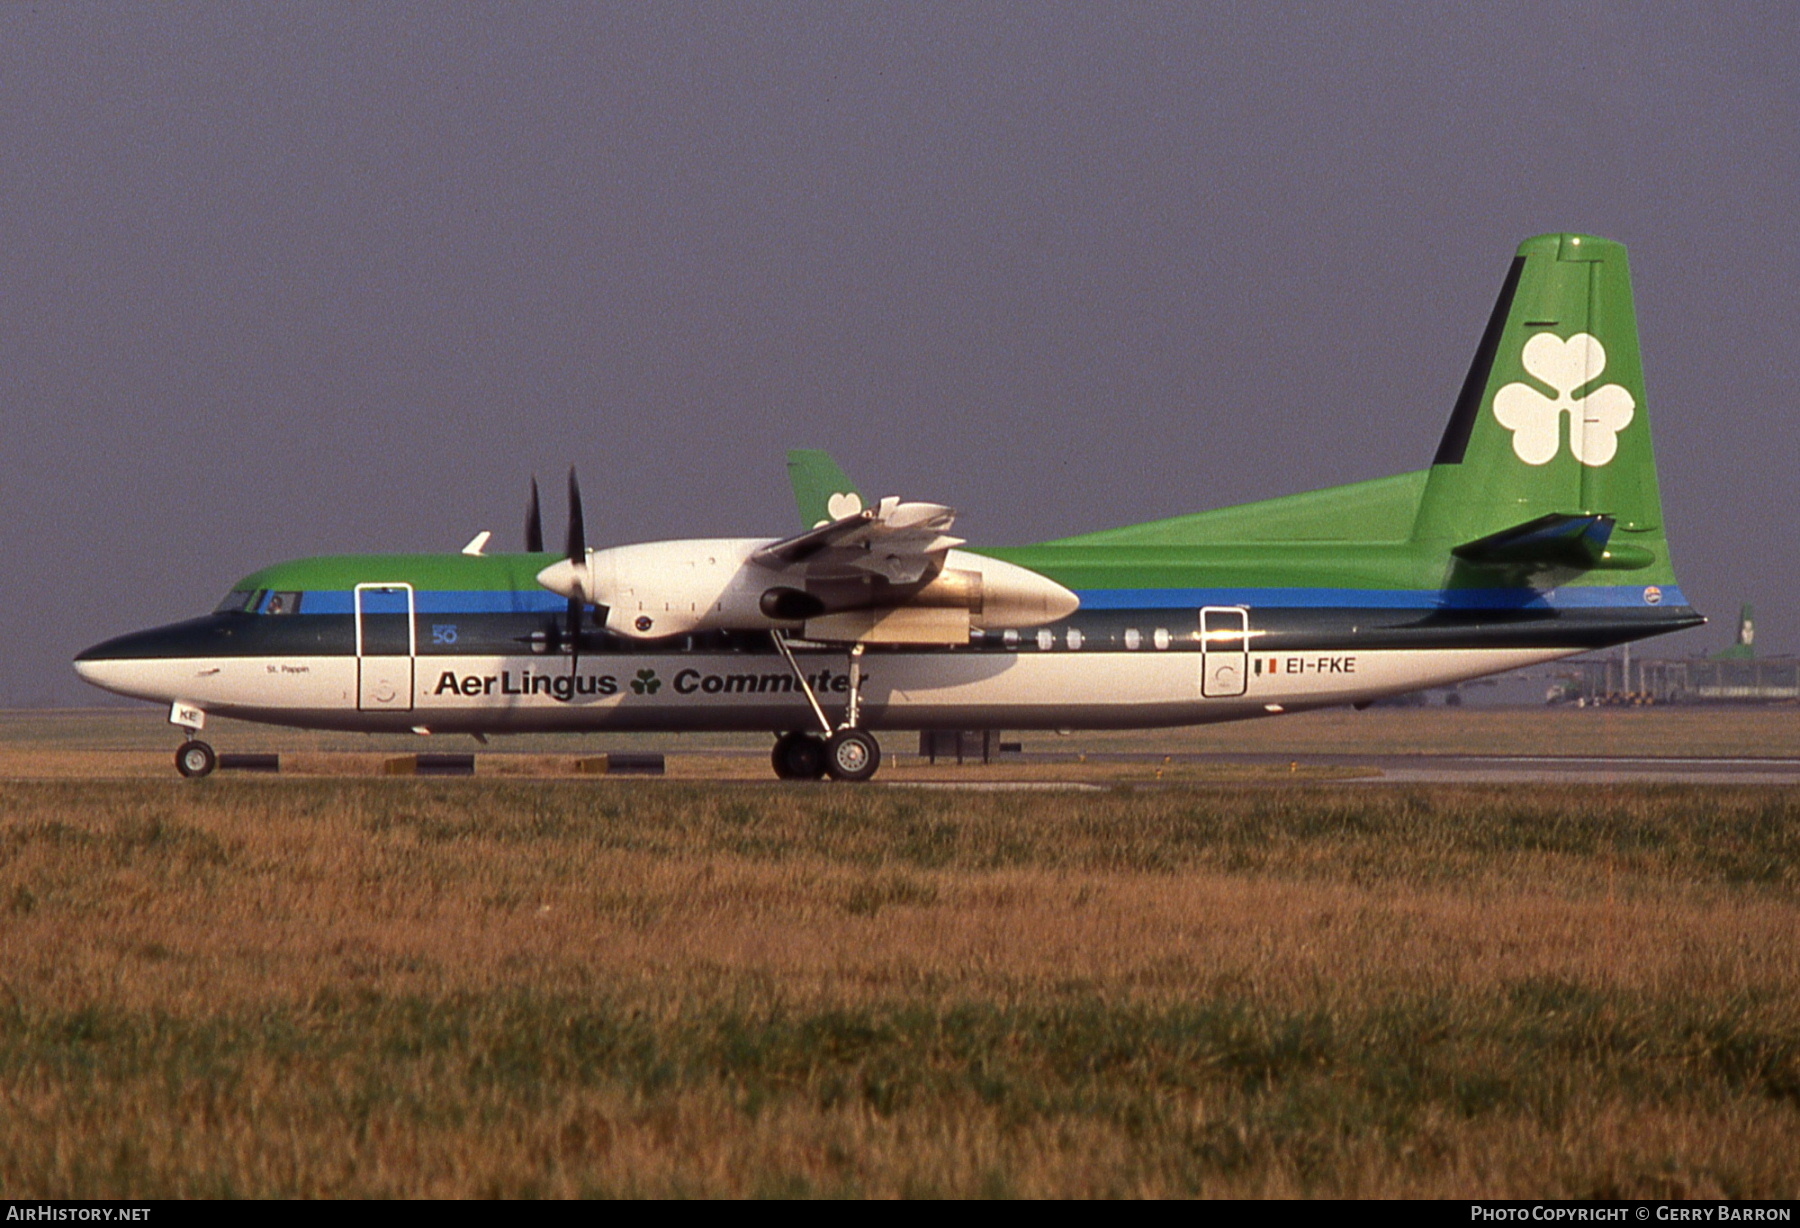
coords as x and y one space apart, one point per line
574 547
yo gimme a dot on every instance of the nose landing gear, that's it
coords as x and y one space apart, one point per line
195 759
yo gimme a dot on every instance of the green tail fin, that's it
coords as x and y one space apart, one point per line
821 489
1551 421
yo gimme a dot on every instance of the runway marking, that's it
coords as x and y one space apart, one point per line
1001 786
1650 760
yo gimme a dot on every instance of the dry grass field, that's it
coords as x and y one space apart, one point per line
335 987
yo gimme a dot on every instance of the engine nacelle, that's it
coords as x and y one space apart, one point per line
1007 595
652 590
656 589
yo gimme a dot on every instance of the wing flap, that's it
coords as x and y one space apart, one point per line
893 625
902 542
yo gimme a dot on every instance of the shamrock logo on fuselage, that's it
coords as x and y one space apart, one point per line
1535 420
646 682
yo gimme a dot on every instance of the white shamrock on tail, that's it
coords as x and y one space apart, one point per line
840 505
1536 421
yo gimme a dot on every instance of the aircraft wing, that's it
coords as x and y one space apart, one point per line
903 542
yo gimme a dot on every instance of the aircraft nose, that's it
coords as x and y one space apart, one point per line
159 662
93 662
99 667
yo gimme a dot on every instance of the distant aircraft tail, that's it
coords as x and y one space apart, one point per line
1547 460
1743 648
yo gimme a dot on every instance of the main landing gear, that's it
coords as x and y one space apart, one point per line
852 754
799 756
844 753
848 754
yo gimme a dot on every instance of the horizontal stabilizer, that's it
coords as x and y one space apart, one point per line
1558 539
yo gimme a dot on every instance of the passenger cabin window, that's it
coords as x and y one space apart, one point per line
1161 638
1046 640
1073 639
238 600
282 603
1132 639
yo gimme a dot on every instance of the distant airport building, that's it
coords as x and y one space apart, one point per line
1732 675
1753 680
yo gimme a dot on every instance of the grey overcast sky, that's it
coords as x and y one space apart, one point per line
293 279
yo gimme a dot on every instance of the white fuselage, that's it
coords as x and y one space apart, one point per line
1022 687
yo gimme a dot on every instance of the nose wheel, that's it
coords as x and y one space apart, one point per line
195 759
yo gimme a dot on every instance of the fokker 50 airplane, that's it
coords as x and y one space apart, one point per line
1536 532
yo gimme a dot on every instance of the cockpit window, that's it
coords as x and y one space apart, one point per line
282 603
238 600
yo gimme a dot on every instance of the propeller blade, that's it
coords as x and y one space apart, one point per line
577 537
577 548
534 523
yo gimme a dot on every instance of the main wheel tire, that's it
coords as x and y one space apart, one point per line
778 757
799 756
852 755
195 759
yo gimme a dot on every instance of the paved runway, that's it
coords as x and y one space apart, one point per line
1512 769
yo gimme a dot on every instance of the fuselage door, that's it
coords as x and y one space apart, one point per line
386 643
1224 651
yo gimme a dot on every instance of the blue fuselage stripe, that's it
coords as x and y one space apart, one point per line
475 601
